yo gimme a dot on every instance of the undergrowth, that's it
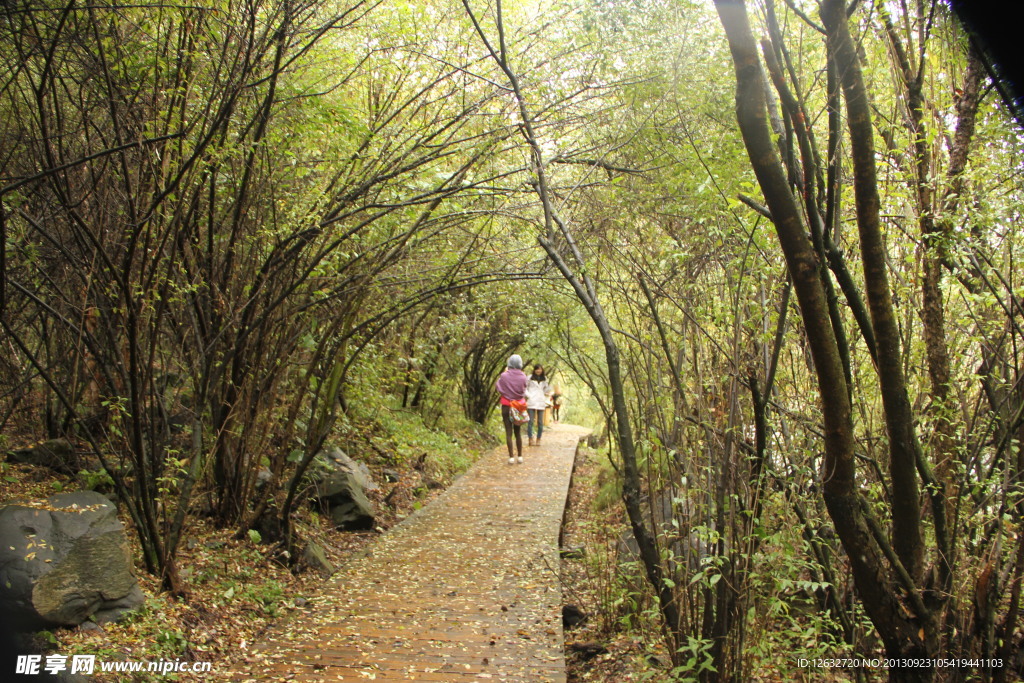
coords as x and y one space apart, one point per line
237 588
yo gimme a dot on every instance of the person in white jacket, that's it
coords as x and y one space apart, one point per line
537 393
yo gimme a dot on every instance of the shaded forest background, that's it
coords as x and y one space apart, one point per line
776 243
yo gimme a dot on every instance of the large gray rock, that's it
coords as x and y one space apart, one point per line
316 557
63 561
339 460
341 484
349 507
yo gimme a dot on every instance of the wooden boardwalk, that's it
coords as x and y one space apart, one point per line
466 589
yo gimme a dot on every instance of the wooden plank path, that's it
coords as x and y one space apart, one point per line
465 589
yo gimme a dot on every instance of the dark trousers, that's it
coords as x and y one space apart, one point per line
510 429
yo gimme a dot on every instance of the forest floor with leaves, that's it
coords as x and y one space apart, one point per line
607 646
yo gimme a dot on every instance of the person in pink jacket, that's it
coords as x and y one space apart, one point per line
511 385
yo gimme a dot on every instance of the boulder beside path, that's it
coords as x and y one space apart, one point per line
64 560
343 490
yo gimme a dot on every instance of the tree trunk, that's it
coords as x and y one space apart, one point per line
863 543
631 483
903 447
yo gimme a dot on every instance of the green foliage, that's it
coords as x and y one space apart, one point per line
609 484
410 438
148 624
696 660
96 480
48 637
268 595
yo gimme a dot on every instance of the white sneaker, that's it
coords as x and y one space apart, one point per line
511 461
520 460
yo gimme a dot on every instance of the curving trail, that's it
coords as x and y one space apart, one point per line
466 589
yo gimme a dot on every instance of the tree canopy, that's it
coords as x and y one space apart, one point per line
774 241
